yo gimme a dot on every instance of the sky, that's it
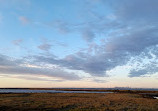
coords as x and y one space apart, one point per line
79 43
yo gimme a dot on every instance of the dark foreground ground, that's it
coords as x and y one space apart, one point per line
77 102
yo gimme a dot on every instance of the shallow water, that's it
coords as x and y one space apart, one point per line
156 97
44 91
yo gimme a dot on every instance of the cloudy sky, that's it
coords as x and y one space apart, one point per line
79 43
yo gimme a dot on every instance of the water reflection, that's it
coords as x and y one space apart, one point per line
44 91
156 97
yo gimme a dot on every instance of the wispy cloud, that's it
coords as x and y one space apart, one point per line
17 42
45 47
99 81
24 20
88 35
34 78
61 26
21 67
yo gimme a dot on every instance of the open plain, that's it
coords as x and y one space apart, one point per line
77 102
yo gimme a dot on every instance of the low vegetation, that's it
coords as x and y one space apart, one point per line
76 102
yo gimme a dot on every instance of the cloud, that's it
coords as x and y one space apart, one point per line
35 77
24 20
151 69
130 31
147 67
99 81
135 41
5 62
140 10
88 35
61 26
39 71
21 67
45 47
17 42
116 51
93 65
122 14
61 44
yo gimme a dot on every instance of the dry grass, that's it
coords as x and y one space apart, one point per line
76 102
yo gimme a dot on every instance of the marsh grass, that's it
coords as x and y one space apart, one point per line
76 102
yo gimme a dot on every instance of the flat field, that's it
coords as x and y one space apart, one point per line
76 102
